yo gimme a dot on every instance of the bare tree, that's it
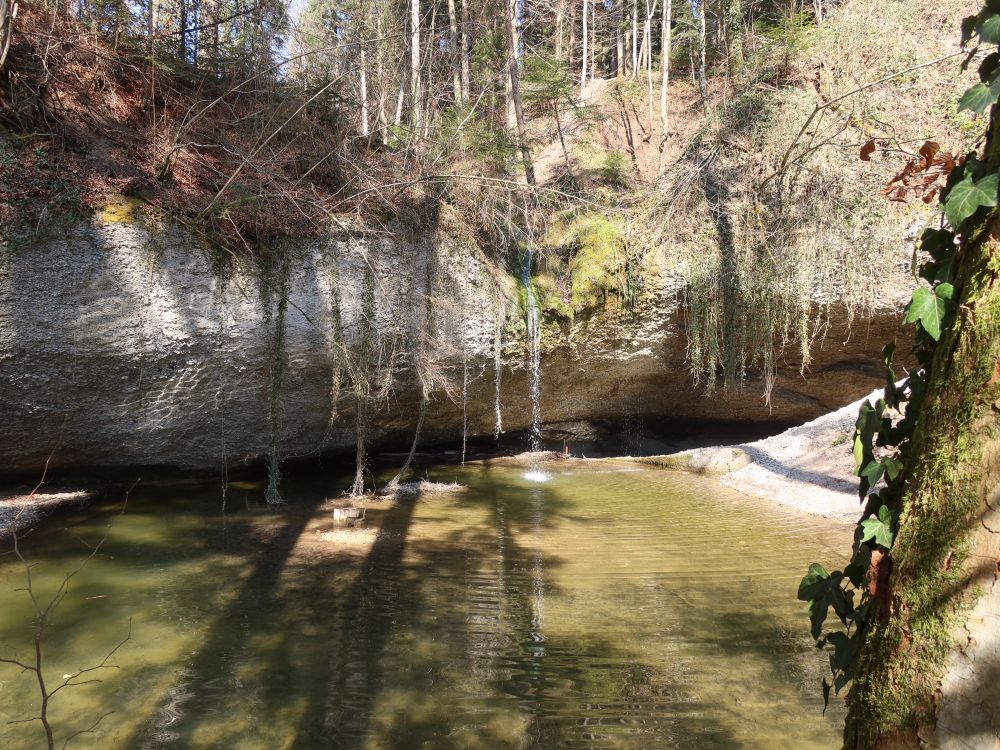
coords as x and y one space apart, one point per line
702 43
466 73
515 91
415 92
8 12
43 612
664 80
456 56
363 88
583 65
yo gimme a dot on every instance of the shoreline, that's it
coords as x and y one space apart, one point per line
19 512
809 468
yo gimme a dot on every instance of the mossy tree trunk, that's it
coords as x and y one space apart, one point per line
929 674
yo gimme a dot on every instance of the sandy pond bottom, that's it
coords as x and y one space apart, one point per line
607 607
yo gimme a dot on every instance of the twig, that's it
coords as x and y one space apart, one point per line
820 107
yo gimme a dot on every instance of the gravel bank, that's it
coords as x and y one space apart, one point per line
809 467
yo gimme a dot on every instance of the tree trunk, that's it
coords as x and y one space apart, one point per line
404 470
583 64
593 40
619 39
702 43
635 38
456 55
648 41
466 74
511 116
363 89
427 111
182 30
8 12
572 36
151 26
664 81
929 669
734 34
415 93
560 16
398 119
360 456
382 82
515 90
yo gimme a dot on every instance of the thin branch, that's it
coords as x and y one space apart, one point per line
821 107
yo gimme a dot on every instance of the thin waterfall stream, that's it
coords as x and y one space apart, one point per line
534 332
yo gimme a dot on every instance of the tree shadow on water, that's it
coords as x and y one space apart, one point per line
183 707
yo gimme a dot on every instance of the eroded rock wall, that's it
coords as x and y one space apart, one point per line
125 345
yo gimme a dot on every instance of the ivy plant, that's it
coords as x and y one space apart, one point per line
884 430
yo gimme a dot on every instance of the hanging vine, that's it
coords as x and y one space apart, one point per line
276 372
884 432
336 344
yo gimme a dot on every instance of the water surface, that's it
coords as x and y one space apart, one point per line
609 607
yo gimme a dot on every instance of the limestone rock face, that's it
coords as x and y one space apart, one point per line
125 345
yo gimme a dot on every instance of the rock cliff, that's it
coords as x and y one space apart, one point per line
125 344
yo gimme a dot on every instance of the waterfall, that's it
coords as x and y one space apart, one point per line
498 367
465 402
534 353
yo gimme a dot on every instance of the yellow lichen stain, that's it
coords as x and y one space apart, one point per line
119 209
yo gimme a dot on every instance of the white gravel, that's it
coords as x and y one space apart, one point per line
809 467
18 512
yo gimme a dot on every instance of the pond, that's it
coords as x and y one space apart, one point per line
582 605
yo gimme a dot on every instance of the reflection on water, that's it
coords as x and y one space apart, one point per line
537 475
600 609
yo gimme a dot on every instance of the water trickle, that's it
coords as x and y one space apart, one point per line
498 366
534 353
465 402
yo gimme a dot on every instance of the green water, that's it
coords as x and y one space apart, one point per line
609 607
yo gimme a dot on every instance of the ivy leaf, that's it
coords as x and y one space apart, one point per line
989 29
823 590
936 271
807 588
869 420
826 695
967 196
845 652
927 308
872 472
860 563
893 467
978 99
988 66
940 243
878 529
944 291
